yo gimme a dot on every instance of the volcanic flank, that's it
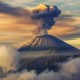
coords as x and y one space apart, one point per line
48 42
44 52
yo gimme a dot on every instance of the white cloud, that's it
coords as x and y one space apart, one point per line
69 71
18 2
9 58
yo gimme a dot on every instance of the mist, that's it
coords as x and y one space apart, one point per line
9 58
9 61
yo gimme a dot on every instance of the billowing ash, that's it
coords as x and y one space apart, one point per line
45 15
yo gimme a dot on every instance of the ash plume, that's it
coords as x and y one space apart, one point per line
45 15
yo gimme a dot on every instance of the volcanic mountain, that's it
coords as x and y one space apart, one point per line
44 52
48 42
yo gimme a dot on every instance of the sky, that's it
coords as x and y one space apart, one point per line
15 26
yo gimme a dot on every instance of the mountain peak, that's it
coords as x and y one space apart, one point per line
47 42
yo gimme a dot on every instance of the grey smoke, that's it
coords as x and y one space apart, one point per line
45 17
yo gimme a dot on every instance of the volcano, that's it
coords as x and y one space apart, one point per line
44 52
48 42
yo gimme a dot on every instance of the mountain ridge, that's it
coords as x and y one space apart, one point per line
47 42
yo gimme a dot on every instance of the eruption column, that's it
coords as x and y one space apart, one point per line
45 15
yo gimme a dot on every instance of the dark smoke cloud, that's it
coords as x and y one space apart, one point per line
46 16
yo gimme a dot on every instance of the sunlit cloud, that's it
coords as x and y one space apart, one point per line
67 26
18 2
62 28
75 42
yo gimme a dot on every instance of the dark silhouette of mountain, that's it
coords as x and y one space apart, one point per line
47 42
51 61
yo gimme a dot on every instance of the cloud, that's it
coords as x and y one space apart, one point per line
16 11
18 2
9 64
71 5
66 27
69 70
9 58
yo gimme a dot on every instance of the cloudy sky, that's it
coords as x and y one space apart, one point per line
16 27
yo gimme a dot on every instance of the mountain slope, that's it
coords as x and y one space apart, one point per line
42 50
47 42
